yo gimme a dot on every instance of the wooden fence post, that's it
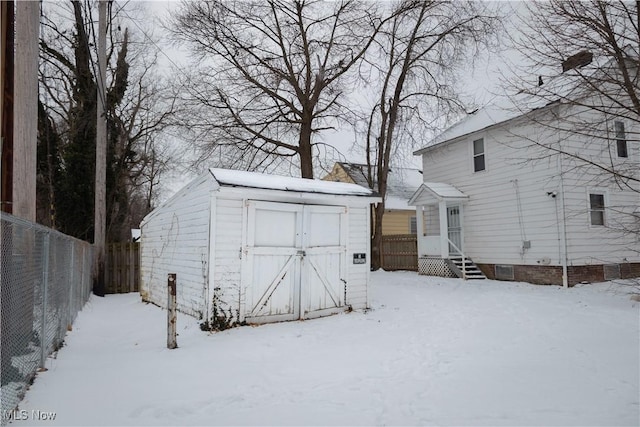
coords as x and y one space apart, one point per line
171 312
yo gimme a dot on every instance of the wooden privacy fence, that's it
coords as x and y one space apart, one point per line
122 267
400 252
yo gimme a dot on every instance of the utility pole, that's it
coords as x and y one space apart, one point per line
25 117
100 205
6 100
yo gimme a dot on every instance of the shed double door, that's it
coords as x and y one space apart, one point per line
294 261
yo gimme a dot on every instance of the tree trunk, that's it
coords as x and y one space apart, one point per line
376 238
304 150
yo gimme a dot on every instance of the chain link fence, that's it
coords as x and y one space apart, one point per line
45 279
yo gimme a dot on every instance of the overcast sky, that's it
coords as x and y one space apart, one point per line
481 81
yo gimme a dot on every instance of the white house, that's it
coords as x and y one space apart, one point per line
255 248
498 195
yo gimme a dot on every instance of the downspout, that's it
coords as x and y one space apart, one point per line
564 256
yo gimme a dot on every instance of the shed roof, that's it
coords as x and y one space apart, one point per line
235 178
273 187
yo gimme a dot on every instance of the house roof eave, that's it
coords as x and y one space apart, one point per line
497 124
427 187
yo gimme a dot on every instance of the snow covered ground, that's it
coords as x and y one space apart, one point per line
431 351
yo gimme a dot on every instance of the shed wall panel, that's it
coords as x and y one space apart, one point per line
358 242
175 240
225 288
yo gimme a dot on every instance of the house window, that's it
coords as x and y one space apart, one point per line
596 209
621 139
413 225
504 272
478 155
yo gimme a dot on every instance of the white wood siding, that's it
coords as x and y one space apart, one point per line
358 242
613 243
496 222
225 287
175 239
201 233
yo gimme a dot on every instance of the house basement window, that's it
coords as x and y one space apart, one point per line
504 272
611 271
478 155
596 209
621 139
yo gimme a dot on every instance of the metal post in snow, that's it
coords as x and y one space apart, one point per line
464 266
171 312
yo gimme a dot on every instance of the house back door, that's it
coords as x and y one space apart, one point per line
454 229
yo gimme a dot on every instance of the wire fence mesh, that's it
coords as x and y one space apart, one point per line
45 279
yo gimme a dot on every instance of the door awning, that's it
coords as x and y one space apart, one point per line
430 193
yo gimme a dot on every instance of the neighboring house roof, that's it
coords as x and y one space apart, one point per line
401 183
357 172
235 178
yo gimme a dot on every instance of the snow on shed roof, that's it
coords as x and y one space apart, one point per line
235 178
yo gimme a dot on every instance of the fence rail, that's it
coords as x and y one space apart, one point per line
122 267
400 252
45 280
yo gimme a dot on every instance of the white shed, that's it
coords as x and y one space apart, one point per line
256 248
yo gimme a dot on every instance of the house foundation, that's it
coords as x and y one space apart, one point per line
552 275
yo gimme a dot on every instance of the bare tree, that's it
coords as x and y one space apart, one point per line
586 55
415 58
579 80
138 111
272 74
138 145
